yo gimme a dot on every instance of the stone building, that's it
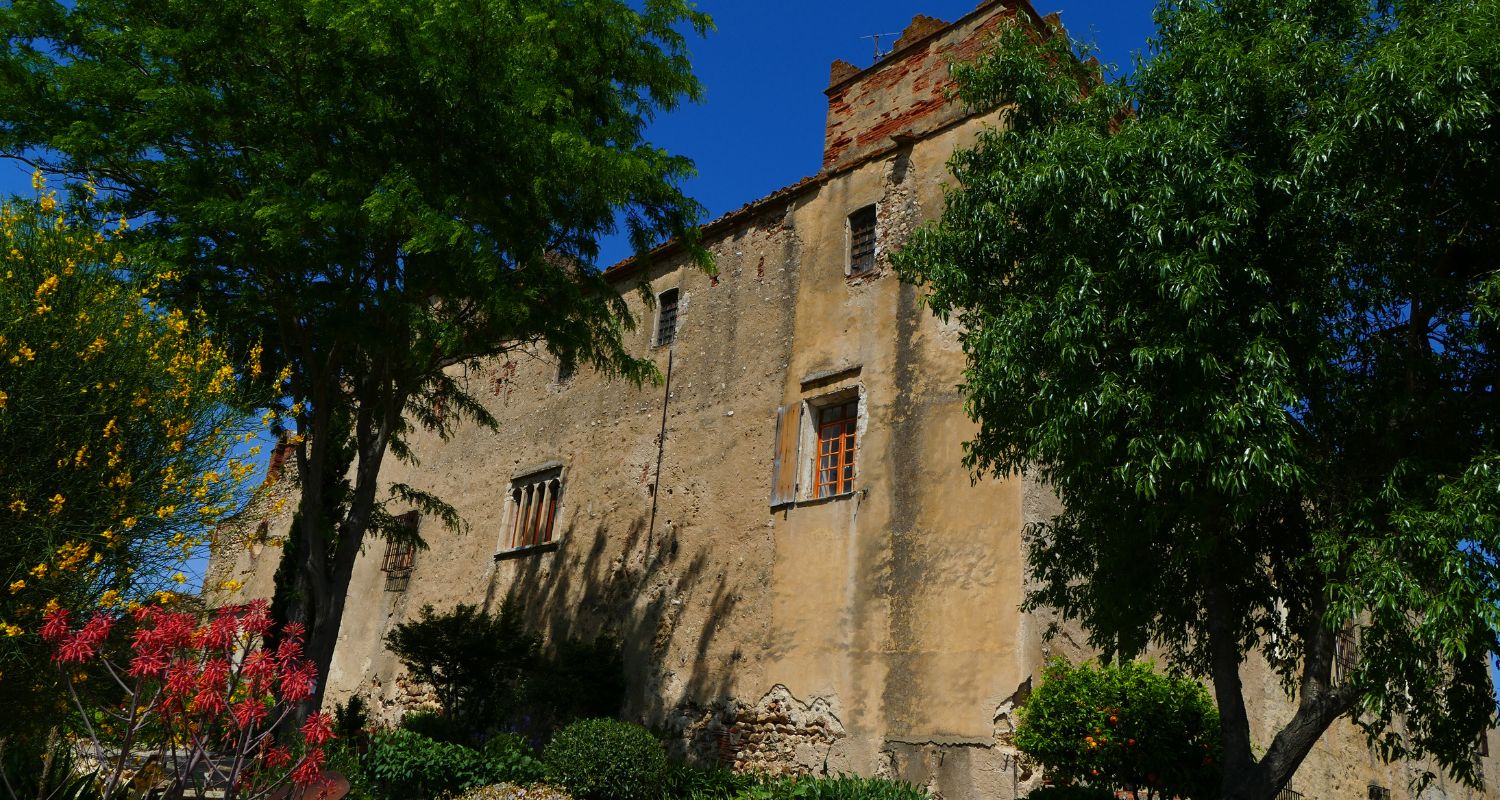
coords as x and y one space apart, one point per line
801 571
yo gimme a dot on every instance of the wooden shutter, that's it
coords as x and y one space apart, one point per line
784 465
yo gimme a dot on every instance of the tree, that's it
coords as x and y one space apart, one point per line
376 194
1123 727
1238 309
118 418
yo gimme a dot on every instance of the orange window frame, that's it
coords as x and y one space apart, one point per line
837 445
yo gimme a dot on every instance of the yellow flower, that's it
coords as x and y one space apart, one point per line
11 630
57 501
179 578
128 523
52 605
109 599
3 398
111 428
46 287
18 506
16 586
108 535
231 586
39 571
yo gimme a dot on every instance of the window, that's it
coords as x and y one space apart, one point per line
1378 792
1345 655
862 241
401 554
666 318
836 445
816 444
534 501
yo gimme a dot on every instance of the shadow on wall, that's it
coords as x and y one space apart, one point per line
664 608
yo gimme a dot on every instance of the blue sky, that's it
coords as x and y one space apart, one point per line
764 70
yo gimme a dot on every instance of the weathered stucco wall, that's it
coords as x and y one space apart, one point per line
875 632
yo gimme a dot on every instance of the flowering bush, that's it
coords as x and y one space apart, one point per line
123 446
206 699
1123 727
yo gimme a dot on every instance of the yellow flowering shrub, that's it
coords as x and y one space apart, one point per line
120 425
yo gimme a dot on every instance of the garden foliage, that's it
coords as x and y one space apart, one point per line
404 765
207 701
118 417
606 759
491 674
1123 727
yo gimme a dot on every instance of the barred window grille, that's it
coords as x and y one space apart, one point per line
1345 655
862 241
401 554
666 318
534 501
1378 792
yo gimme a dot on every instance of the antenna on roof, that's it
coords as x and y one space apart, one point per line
879 54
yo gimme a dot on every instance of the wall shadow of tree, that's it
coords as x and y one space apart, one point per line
663 605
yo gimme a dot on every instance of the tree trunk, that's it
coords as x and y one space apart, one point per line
1319 704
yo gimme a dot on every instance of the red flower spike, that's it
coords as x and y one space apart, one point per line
297 683
278 756
249 712
55 625
316 730
257 618
310 771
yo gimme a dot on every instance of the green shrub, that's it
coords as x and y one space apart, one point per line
843 787
351 719
475 662
511 755
439 728
688 782
404 765
1071 793
605 759
1123 727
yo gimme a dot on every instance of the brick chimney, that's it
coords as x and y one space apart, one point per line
905 94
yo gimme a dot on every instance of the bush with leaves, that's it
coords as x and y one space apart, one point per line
842 787
475 662
1123 726
1071 793
490 674
691 782
118 423
404 765
207 700
606 759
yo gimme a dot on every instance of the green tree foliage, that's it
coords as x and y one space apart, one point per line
369 195
1238 309
489 673
475 662
1123 727
118 421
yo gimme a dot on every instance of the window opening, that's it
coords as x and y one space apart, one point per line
401 554
533 515
862 241
1345 655
666 318
836 446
